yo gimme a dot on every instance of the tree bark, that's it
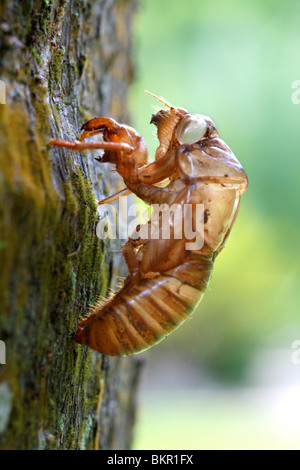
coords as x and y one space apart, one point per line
62 62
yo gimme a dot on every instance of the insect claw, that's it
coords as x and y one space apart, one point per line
84 125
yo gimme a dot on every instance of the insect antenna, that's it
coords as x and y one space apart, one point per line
159 98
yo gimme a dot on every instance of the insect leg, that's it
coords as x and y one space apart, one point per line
158 170
149 194
141 180
115 197
78 145
132 262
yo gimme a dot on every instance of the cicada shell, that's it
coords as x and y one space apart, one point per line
165 281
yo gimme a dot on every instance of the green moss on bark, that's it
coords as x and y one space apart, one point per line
52 269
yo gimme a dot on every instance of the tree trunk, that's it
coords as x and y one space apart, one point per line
62 62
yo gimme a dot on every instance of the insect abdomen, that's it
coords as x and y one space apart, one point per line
147 312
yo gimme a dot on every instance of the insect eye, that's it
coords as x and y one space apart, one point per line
191 129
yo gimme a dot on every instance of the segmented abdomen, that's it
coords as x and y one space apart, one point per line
145 313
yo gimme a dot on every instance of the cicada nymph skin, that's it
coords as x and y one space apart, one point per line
165 281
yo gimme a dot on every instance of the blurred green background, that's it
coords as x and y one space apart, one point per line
235 62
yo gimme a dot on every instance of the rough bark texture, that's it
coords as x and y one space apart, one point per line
62 62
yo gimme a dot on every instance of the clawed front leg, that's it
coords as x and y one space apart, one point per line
116 138
127 150
79 145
